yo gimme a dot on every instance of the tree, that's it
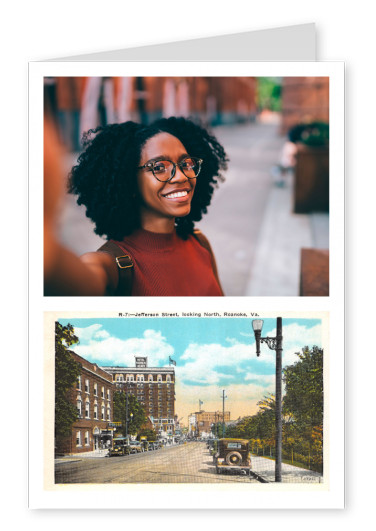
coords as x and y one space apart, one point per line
67 371
304 401
148 433
304 397
136 413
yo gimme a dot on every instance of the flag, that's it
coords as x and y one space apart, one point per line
171 361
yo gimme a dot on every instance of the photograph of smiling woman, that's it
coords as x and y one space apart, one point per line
144 187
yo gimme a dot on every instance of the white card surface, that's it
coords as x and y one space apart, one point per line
263 54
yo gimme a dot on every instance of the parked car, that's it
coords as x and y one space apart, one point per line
145 445
120 447
135 447
233 455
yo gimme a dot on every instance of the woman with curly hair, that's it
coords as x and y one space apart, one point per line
144 187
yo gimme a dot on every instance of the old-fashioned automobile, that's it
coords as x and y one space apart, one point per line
145 445
233 455
120 447
135 447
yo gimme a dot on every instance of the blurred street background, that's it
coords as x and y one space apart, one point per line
268 222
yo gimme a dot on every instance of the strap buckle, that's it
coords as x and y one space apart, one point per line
128 261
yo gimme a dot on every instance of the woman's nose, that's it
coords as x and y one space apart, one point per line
178 175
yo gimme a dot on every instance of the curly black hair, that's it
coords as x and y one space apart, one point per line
105 177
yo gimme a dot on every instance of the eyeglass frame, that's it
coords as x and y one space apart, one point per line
173 171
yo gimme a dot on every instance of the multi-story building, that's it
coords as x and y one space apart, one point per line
93 397
304 100
154 388
201 422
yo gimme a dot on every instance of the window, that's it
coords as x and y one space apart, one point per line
108 413
95 389
86 438
87 409
78 439
96 411
102 391
79 383
108 394
168 378
79 407
87 386
150 378
159 378
103 411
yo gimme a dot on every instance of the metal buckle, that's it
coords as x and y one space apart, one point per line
124 256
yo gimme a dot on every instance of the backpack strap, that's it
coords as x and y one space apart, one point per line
125 267
204 242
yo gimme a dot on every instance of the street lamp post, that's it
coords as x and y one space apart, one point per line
274 343
127 419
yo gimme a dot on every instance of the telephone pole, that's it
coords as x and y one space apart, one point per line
223 417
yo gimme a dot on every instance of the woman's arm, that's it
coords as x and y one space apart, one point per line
67 274
64 272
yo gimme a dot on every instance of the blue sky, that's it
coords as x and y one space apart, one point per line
211 354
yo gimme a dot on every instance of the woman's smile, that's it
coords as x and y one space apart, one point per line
179 195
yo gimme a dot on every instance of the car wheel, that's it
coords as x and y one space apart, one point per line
233 458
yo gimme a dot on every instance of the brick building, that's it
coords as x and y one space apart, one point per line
81 103
93 397
201 422
304 100
154 388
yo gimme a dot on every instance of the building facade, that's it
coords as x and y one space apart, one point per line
304 100
93 398
201 422
154 388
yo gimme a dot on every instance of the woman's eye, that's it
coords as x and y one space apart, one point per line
188 164
160 167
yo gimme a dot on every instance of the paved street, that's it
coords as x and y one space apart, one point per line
188 463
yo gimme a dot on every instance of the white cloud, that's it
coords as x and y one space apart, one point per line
114 351
90 332
264 379
206 363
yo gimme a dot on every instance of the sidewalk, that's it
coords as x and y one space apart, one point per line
276 266
80 456
265 468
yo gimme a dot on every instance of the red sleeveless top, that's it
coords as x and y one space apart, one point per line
166 265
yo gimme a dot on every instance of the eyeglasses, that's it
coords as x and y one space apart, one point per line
165 170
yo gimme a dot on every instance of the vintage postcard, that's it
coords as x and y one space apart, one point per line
217 402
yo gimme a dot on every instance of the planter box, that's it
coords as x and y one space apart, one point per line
311 184
314 273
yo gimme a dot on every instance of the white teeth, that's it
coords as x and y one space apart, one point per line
177 194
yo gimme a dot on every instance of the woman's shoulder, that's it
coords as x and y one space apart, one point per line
202 239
